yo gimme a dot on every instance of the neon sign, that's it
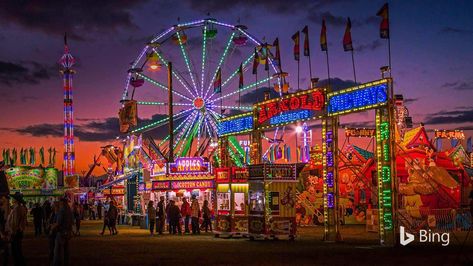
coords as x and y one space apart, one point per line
360 132
160 185
449 134
236 124
294 107
192 184
189 165
365 96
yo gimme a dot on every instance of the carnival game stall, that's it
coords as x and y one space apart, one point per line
232 198
272 196
185 178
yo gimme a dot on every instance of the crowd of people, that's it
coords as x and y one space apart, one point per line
175 217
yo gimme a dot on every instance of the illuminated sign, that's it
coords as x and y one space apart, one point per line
449 134
189 165
116 191
272 171
145 186
362 97
236 124
298 106
239 174
158 169
192 184
222 175
26 177
160 185
360 132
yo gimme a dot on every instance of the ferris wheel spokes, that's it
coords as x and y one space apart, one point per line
222 59
234 73
204 50
186 128
156 124
186 60
154 82
175 130
177 75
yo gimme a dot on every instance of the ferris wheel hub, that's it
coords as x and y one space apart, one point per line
198 103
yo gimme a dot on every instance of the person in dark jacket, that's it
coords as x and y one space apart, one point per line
161 217
151 217
76 215
206 224
174 217
99 209
112 217
47 210
471 203
106 223
37 213
52 230
63 227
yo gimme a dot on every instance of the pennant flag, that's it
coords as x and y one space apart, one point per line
297 48
323 37
305 30
277 56
218 81
240 72
384 25
255 62
469 146
347 43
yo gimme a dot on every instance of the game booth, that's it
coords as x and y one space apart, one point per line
185 178
232 198
272 212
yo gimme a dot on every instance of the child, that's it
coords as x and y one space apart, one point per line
106 224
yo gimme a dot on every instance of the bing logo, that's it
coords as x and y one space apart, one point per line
424 236
405 238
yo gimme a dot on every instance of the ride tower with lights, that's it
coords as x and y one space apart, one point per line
67 61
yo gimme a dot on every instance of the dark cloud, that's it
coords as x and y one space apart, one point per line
456 30
257 95
316 16
132 40
92 129
27 72
460 115
78 18
459 85
369 46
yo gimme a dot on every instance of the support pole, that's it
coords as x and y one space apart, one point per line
171 121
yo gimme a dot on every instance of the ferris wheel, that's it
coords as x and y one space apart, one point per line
213 70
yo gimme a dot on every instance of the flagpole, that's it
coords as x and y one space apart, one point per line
353 63
298 73
328 67
310 68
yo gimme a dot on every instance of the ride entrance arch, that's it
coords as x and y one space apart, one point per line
328 106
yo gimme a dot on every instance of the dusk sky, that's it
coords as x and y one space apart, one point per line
431 44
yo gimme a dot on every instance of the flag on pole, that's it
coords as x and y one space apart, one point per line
323 37
297 48
384 25
240 72
305 30
347 43
255 62
218 81
277 56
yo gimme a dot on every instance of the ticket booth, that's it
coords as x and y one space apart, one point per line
272 196
232 198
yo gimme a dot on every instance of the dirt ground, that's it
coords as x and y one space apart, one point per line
134 246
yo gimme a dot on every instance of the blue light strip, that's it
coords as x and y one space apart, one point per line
289 117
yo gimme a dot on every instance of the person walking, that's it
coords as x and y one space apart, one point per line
52 230
186 213
106 223
85 209
161 217
76 216
4 210
151 217
195 210
47 210
63 227
174 217
99 209
112 217
206 224
37 213
16 225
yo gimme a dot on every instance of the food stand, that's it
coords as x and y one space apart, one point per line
232 198
272 194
